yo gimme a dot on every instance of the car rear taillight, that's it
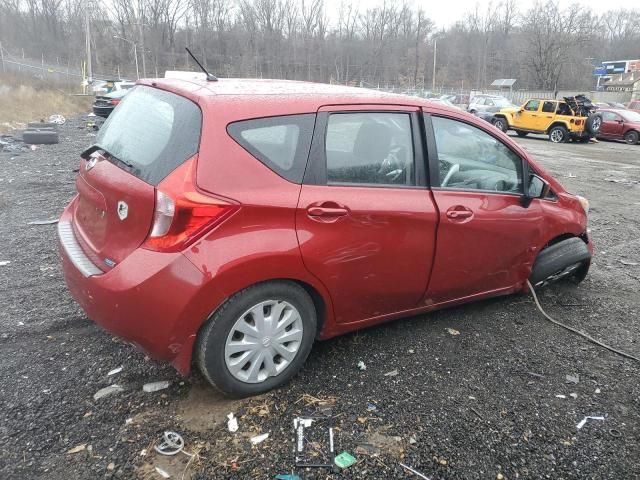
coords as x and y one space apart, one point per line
182 215
114 101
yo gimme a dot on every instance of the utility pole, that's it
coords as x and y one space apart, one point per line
2 58
435 56
141 34
87 33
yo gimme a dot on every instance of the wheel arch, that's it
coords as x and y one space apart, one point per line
557 123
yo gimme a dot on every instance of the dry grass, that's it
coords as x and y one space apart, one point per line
24 100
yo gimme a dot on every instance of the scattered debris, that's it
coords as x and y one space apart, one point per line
615 433
361 365
412 440
344 460
371 407
8 143
311 433
534 374
392 373
43 222
499 476
452 331
628 263
573 395
162 473
115 370
111 466
4 263
57 119
415 472
232 423
287 476
598 390
584 421
155 386
106 391
172 444
411 350
78 449
561 396
259 438
572 378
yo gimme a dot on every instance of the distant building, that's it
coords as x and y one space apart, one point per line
624 82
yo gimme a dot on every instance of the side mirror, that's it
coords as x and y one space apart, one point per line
537 187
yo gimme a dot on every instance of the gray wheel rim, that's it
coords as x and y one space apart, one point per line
498 124
557 136
264 341
596 124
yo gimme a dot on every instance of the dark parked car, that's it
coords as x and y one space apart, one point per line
234 222
104 104
620 125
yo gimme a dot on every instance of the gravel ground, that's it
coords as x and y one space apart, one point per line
484 403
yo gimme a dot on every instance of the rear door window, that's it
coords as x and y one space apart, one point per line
549 107
281 143
151 132
373 148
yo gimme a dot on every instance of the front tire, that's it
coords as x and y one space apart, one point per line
501 124
632 137
568 258
258 339
558 134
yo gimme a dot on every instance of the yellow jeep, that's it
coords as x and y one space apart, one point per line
562 120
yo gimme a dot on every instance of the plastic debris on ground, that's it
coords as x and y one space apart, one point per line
114 371
452 331
361 365
4 263
78 449
162 473
155 386
287 476
585 419
232 423
392 373
106 391
561 396
344 460
415 472
572 378
371 407
314 443
171 444
259 438
43 222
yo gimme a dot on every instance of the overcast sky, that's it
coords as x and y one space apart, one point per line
447 12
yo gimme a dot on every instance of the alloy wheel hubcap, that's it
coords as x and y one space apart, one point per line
556 136
264 341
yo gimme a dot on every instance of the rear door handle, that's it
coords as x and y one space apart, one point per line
320 211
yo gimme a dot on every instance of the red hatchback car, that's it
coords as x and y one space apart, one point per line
620 125
234 222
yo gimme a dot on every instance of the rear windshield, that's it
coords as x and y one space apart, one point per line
151 132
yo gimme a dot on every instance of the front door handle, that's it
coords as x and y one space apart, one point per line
459 213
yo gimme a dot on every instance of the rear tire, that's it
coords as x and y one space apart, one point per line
593 124
222 343
632 137
558 134
567 258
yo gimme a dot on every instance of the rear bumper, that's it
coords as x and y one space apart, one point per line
144 299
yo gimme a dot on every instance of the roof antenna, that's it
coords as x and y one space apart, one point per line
210 78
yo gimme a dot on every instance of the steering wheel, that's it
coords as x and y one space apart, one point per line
455 168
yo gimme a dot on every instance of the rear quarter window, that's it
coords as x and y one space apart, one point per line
151 132
281 143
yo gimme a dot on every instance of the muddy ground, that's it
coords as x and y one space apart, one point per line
482 404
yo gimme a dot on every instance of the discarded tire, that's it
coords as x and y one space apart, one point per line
40 137
594 122
564 259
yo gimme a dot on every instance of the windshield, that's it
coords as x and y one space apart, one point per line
631 116
151 132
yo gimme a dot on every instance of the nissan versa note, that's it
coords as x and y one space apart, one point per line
232 223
